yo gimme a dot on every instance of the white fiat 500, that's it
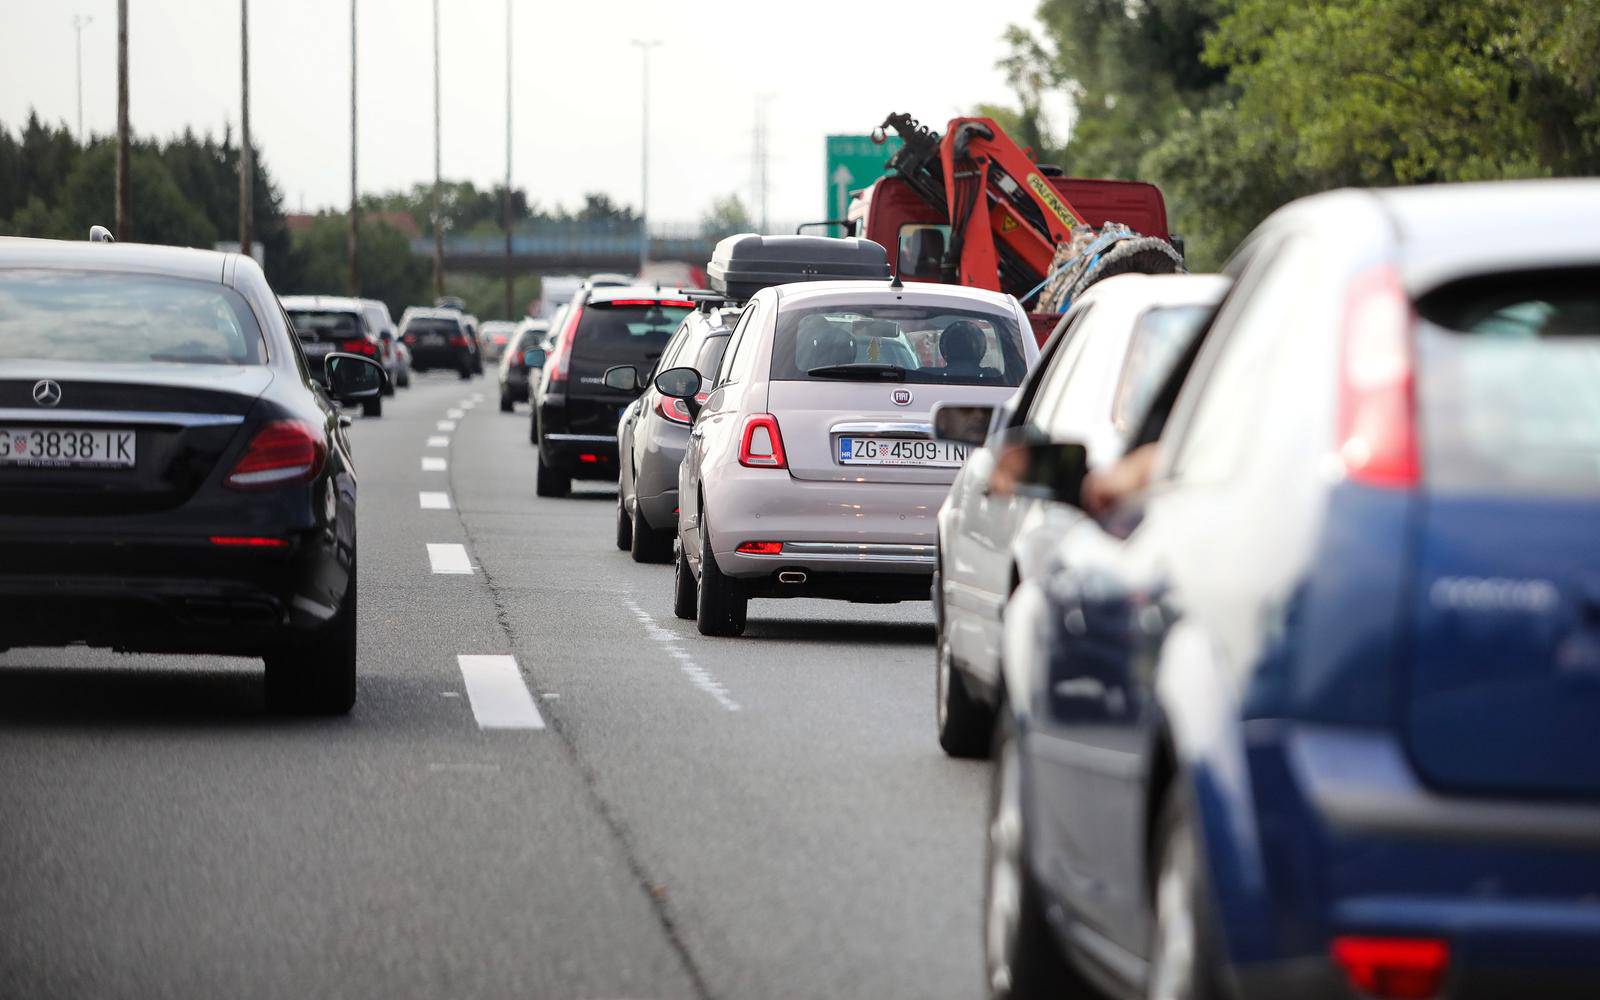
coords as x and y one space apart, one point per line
811 470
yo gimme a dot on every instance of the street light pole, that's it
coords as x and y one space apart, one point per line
79 22
644 150
438 220
510 314
124 200
247 162
353 239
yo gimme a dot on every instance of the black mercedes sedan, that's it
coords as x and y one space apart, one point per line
172 480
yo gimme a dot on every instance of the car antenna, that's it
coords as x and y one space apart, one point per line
894 281
100 234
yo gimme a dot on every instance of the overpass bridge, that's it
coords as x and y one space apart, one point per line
578 247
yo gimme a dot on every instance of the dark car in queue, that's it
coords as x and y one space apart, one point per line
172 477
654 431
1313 714
1108 355
575 411
438 340
327 323
515 369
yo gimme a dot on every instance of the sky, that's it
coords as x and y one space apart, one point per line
817 67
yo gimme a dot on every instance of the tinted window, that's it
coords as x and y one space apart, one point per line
921 250
122 318
918 344
431 325
315 325
710 355
625 333
1509 383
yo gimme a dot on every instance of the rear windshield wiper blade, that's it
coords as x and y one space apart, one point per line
868 372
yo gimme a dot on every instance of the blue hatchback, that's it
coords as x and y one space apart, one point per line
1317 712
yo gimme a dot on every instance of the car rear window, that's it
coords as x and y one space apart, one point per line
626 331
315 325
1508 387
51 315
898 342
433 325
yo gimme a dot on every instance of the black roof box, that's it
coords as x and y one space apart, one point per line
742 265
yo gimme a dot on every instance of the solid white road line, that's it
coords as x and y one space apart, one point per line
439 441
446 425
671 643
500 699
456 414
449 558
434 501
434 465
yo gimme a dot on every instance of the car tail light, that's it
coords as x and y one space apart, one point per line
647 303
410 338
249 542
458 340
1393 968
761 443
760 548
1377 383
359 347
677 410
588 458
282 452
556 361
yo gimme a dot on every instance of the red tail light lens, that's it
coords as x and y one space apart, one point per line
647 303
556 361
761 443
677 410
249 542
458 340
1393 968
1377 388
760 548
282 452
410 338
364 347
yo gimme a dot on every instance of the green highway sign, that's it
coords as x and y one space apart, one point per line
854 162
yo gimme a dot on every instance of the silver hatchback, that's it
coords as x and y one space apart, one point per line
811 470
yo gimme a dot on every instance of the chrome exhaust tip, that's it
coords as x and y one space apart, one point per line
791 576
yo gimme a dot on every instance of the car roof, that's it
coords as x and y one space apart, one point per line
331 303
428 312
499 323
923 293
610 293
133 258
1143 291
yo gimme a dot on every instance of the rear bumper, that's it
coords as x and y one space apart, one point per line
582 456
425 358
173 596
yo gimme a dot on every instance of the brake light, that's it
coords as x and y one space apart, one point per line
359 347
556 361
760 548
761 443
249 542
1393 968
410 338
646 303
458 340
1377 387
677 410
282 452
588 458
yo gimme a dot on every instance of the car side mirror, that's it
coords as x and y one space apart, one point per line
624 378
961 423
352 378
533 357
681 383
1040 470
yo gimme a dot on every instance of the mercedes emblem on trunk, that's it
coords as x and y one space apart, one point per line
47 392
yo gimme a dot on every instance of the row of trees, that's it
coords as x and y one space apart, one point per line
1236 106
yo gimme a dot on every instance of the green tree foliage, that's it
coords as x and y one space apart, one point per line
726 217
389 271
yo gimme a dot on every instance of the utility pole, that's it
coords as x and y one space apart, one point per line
644 150
124 209
247 159
510 313
353 241
79 22
758 165
438 219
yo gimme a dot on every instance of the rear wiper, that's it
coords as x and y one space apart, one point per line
867 372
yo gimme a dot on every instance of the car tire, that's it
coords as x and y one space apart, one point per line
372 407
318 676
649 545
964 724
547 482
506 405
685 594
388 386
533 429
1021 959
624 524
404 381
721 605
1184 954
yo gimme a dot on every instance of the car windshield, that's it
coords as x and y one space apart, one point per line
1509 384
898 342
50 315
314 325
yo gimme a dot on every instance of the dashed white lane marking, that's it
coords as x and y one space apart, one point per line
446 425
434 465
434 501
500 699
699 676
439 441
455 414
449 558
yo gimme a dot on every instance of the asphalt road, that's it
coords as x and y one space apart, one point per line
673 816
